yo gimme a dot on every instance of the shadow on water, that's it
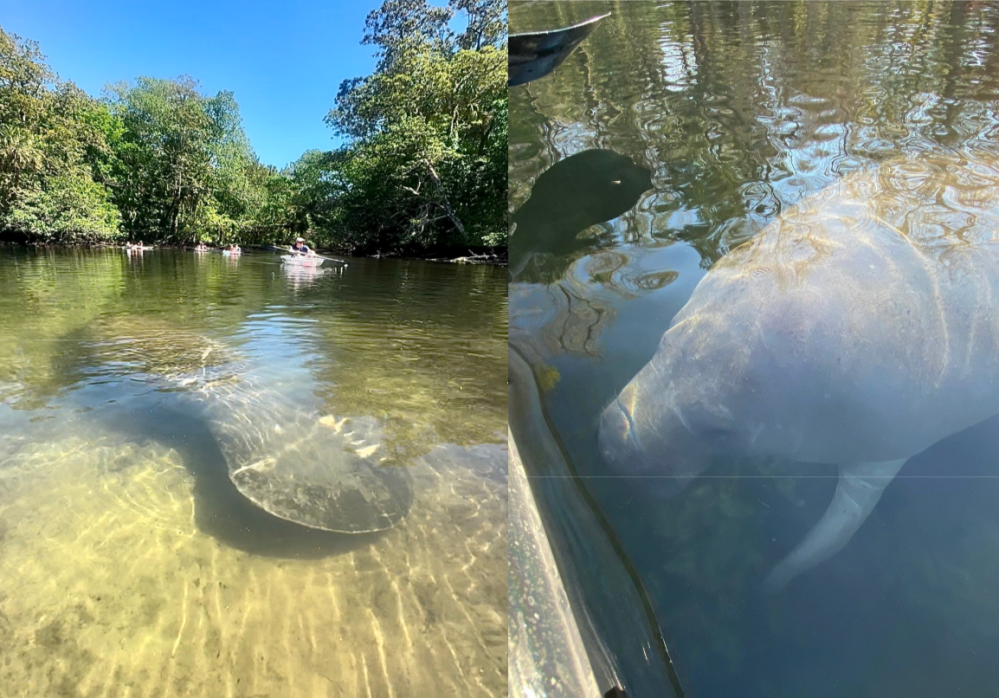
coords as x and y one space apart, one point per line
220 510
583 190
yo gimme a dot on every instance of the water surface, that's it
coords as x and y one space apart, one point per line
676 132
129 564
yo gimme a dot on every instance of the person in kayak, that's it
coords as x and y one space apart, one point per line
301 248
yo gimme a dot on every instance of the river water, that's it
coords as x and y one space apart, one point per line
131 566
675 133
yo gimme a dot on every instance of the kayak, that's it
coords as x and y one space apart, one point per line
136 248
536 54
300 261
230 253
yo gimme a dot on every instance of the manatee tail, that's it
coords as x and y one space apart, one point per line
859 489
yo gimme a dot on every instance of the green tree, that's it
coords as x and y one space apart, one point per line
428 128
187 169
157 160
51 142
487 23
398 22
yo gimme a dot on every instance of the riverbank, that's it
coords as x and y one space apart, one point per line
496 256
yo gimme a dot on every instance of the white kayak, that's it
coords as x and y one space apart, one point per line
302 261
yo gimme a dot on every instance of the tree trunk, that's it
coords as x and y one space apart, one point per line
445 204
175 210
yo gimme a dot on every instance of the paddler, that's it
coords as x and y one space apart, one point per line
301 248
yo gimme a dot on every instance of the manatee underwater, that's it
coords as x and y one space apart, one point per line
584 189
320 471
858 328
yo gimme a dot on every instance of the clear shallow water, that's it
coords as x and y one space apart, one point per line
130 565
710 120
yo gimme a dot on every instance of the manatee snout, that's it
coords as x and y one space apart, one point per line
654 465
618 442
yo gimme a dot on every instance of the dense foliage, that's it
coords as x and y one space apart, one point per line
53 143
424 165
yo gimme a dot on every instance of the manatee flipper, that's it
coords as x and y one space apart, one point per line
858 490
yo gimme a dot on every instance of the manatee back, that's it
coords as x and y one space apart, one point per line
173 354
869 308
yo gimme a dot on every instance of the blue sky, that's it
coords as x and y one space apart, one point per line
284 61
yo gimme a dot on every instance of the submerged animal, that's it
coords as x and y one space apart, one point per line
587 188
317 470
858 328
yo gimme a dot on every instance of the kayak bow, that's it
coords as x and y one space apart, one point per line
534 55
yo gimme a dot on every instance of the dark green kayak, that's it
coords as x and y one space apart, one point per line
535 54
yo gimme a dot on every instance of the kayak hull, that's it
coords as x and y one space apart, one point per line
298 261
536 54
